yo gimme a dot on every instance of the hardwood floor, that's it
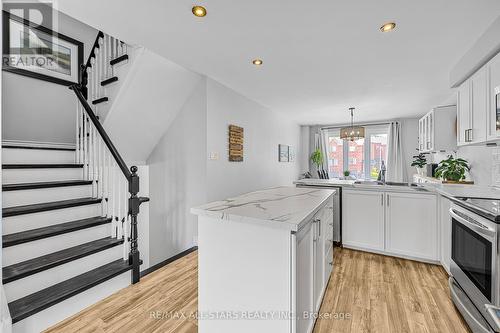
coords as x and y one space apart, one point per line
386 294
373 292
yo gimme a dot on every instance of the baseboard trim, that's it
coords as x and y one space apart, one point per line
168 261
38 145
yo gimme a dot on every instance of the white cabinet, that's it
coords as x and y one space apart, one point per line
313 264
437 130
305 277
479 91
493 130
395 223
472 99
411 225
319 261
463 113
445 231
363 219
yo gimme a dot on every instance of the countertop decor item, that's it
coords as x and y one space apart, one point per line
235 143
352 132
452 170
419 161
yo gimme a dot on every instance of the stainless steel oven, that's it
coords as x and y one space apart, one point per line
474 254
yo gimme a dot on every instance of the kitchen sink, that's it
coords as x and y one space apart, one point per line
368 182
396 184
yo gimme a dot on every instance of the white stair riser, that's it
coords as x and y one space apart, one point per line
14 176
30 250
27 197
36 282
51 316
37 220
18 156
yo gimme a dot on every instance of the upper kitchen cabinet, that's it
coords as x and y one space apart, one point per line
473 104
493 130
437 130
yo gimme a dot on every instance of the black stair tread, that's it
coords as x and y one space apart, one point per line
109 81
119 59
100 100
39 185
32 266
42 166
36 147
43 299
53 230
46 206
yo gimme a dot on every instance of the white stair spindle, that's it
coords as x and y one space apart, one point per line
85 148
106 56
77 132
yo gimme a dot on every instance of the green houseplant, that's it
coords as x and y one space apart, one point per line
347 173
419 161
317 158
452 169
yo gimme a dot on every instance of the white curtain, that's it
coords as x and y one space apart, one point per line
396 167
321 143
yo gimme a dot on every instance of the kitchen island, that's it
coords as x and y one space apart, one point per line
265 259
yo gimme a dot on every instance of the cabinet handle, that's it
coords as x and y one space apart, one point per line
330 263
330 224
382 196
388 200
319 227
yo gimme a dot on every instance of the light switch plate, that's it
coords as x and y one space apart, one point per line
213 156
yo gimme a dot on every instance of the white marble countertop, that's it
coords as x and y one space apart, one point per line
448 190
352 185
289 206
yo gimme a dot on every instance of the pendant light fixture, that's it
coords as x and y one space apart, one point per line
352 132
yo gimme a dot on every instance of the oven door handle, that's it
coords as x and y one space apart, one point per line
485 231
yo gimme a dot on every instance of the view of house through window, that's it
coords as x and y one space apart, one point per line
362 158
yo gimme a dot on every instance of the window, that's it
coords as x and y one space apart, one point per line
356 158
363 158
378 153
335 156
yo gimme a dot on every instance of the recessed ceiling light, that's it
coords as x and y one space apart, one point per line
199 11
257 62
388 27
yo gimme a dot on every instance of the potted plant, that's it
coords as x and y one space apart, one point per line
317 159
419 161
347 173
452 170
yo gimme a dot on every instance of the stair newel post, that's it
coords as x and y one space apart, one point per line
134 203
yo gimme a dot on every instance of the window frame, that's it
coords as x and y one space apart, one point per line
369 131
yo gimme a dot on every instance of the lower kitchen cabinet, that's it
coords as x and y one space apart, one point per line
411 225
395 223
445 231
363 219
305 277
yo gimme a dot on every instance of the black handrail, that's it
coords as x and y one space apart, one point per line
83 70
107 141
134 201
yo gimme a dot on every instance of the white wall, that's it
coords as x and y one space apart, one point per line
41 111
150 98
178 179
263 128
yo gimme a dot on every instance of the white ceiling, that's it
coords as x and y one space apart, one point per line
320 57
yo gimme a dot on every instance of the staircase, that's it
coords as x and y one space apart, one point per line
69 218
